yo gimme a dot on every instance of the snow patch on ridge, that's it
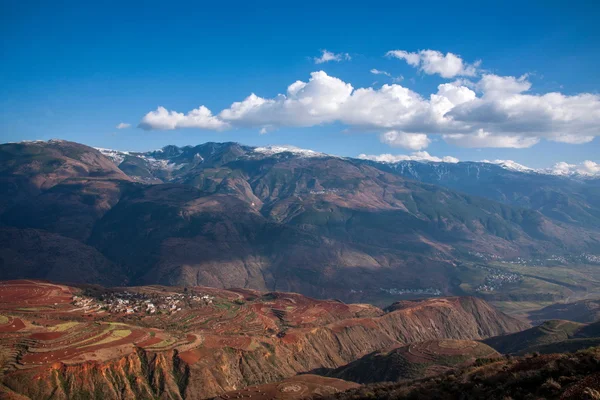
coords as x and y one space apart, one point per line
271 150
115 156
510 164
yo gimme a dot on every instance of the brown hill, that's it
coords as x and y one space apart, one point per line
553 377
584 311
416 360
555 336
204 341
29 168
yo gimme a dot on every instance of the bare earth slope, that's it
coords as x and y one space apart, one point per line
202 341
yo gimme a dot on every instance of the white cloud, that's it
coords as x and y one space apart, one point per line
305 104
496 111
163 119
378 72
411 141
416 156
395 79
485 139
590 167
327 56
587 168
434 62
123 125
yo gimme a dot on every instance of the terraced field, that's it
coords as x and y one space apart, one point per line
40 319
198 342
298 387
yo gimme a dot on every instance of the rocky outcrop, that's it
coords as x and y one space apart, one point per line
139 375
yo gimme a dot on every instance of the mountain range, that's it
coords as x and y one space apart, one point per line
275 218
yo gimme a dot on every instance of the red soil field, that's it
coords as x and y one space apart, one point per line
14 325
149 342
46 335
190 356
28 294
219 342
297 387
63 354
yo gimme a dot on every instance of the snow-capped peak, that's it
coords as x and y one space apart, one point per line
116 156
510 164
586 169
270 150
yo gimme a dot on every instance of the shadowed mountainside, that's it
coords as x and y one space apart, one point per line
226 215
413 361
574 201
550 337
584 311
553 376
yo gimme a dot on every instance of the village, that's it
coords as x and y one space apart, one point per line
125 302
496 279
425 291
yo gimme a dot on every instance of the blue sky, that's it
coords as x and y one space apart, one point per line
75 70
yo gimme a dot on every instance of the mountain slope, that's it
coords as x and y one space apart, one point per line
38 254
413 361
28 168
584 311
574 201
554 376
550 337
224 214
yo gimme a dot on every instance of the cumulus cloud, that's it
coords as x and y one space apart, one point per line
411 141
327 56
495 111
123 125
434 62
587 168
163 119
416 156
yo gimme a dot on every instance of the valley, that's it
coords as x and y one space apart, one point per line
279 218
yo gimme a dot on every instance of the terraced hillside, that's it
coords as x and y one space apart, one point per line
197 342
297 387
